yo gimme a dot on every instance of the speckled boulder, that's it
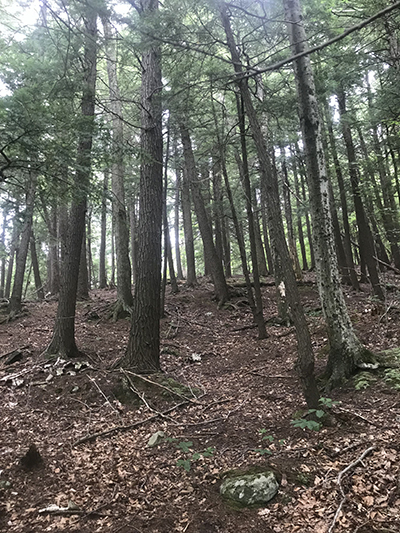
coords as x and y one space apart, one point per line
249 489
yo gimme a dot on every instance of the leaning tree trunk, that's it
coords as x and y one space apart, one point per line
343 200
124 273
345 350
143 353
245 177
305 353
35 267
63 340
365 237
16 295
211 256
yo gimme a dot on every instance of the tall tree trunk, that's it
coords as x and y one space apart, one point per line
36 270
289 216
133 235
103 237
168 261
303 173
82 292
364 231
176 220
16 296
63 340
298 213
305 353
89 255
191 280
124 273
143 353
343 200
3 254
215 263
345 350
244 171
390 212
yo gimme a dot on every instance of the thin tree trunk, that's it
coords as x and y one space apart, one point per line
89 255
16 296
343 200
124 273
191 280
36 270
103 237
298 213
215 263
244 172
364 231
3 255
305 353
289 216
345 350
176 220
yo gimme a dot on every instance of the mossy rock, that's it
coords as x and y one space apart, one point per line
252 488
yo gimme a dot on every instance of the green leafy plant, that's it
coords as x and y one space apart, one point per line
269 438
185 446
364 380
392 377
313 425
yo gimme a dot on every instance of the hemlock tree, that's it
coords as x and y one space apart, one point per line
124 274
63 340
346 352
143 352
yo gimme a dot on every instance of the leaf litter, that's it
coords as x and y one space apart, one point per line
250 393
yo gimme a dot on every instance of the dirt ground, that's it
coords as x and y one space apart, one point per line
239 391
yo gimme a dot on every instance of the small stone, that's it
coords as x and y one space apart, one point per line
155 438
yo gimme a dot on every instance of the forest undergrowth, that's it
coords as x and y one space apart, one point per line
225 401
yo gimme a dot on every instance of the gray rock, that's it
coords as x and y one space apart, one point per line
250 489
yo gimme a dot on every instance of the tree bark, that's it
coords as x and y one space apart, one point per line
36 270
176 221
191 280
345 350
244 172
124 273
365 238
63 340
343 200
143 352
103 237
16 296
305 354
211 256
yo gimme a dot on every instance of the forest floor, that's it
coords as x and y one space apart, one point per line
246 390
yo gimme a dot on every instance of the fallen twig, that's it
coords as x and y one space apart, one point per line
4 355
174 393
104 396
358 416
339 483
115 429
141 396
